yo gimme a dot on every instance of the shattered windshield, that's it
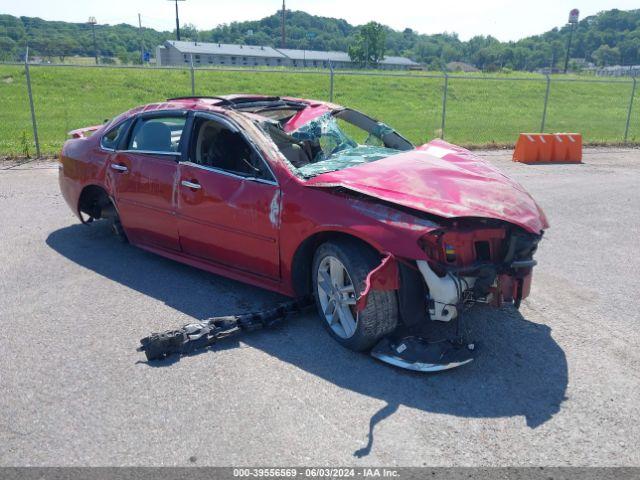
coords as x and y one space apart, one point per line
329 147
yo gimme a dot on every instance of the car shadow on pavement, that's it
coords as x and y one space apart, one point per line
519 371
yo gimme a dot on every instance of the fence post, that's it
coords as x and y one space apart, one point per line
546 101
330 81
633 94
444 104
193 76
33 111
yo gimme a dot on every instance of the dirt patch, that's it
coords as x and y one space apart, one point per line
22 159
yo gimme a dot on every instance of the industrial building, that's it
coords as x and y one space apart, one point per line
177 53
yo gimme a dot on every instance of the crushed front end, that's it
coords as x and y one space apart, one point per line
469 262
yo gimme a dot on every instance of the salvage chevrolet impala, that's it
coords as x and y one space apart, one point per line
310 198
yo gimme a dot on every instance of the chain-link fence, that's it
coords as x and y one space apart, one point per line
464 109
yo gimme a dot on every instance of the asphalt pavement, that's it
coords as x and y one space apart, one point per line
555 383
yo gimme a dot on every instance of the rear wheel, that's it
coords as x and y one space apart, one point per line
111 214
340 269
117 228
95 202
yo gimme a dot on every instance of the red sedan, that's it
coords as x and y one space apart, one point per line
307 197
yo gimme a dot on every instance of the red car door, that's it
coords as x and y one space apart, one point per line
143 177
228 200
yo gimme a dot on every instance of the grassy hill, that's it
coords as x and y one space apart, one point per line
610 37
479 112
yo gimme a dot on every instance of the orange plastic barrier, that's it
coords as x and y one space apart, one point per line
548 148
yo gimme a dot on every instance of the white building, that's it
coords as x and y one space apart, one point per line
619 71
175 53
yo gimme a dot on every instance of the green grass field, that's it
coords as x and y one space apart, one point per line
479 111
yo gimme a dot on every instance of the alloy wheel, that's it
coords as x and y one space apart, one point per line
337 296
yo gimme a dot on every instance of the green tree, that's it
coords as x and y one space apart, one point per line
122 55
7 49
369 45
605 55
630 51
189 33
62 46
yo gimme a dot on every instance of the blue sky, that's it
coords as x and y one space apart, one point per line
506 20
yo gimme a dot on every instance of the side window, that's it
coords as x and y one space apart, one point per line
112 138
157 134
215 145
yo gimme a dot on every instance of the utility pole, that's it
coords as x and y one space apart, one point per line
141 44
177 19
284 38
573 19
92 21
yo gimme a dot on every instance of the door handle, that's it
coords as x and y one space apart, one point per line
119 168
195 186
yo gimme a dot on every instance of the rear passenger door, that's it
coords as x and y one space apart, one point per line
143 174
228 200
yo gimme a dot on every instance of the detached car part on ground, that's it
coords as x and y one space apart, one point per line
309 198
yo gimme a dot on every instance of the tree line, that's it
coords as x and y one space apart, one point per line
609 38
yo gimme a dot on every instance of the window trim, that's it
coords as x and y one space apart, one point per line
152 152
228 173
186 159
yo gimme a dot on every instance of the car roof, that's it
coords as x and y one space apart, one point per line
222 103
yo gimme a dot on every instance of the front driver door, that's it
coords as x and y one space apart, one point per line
228 200
143 176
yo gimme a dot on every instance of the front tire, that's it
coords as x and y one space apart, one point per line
340 269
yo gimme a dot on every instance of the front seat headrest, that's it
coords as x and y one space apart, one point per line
155 137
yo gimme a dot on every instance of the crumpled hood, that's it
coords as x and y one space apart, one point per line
444 180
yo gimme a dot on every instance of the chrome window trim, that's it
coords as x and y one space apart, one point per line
233 127
151 152
229 174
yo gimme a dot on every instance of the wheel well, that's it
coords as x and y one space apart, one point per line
303 258
92 200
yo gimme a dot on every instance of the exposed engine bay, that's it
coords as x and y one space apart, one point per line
476 265
470 262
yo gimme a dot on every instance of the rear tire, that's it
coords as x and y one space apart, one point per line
336 301
117 228
110 213
95 202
